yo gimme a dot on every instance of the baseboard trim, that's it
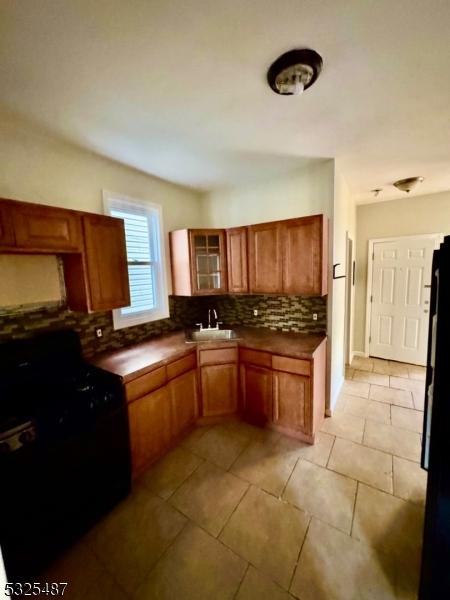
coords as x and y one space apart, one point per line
358 353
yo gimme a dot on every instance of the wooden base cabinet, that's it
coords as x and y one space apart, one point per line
150 428
7 236
283 393
183 401
219 381
219 389
256 394
292 402
161 405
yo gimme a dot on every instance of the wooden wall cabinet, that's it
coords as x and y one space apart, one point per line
265 258
45 228
199 262
106 262
305 256
92 248
289 257
219 381
282 257
237 260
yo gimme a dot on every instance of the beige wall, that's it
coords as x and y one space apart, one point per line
41 169
406 216
344 223
307 191
28 280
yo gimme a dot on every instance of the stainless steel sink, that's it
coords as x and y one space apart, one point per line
210 335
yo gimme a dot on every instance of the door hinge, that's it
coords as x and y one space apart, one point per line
370 339
371 298
373 255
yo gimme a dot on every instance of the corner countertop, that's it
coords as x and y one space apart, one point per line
138 359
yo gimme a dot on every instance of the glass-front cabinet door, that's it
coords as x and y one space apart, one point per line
208 261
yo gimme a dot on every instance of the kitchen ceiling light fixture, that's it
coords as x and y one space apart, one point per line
406 185
294 71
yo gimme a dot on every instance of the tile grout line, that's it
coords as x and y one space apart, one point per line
354 509
163 553
242 580
294 570
289 478
202 462
331 452
232 513
245 447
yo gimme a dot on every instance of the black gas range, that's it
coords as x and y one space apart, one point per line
64 448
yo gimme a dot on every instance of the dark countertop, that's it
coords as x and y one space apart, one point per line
133 361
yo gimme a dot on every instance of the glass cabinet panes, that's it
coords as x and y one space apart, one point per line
207 261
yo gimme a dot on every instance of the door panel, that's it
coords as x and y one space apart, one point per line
106 262
184 401
304 262
150 428
219 389
292 401
256 389
400 299
237 260
265 262
208 261
47 228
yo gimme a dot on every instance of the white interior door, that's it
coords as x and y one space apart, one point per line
401 274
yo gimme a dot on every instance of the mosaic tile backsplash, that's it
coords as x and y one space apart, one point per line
285 313
26 321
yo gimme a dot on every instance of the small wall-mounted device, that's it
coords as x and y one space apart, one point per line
99 332
314 316
255 312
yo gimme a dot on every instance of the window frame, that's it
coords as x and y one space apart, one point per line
154 214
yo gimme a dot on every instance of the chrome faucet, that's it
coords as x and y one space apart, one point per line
216 321
212 310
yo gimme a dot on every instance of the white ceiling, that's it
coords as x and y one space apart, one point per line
177 88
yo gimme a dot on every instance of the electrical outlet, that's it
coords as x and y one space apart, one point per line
99 332
255 312
314 316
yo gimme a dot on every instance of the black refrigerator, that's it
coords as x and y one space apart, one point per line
435 574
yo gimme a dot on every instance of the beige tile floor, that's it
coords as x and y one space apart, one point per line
239 512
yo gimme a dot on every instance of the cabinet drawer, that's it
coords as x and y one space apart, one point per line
181 366
145 384
218 356
291 365
255 357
